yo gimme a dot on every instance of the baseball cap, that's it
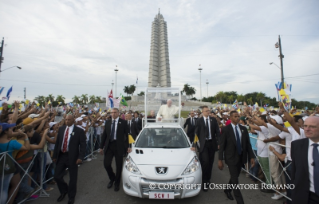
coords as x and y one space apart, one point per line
51 124
33 115
6 126
78 119
277 118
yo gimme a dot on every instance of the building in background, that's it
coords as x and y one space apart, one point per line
159 68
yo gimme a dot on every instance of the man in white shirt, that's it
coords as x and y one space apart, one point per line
166 112
262 153
275 168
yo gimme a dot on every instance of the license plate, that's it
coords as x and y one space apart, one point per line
161 195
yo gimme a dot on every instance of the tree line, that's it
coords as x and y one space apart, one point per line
83 99
252 98
221 96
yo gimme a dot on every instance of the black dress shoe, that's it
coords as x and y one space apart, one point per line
110 184
61 197
71 201
228 194
116 187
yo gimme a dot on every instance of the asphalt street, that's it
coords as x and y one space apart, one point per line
92 182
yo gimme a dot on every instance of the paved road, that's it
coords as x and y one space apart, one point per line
92 182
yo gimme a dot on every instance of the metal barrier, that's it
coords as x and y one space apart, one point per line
39 187
284 168
93 144
95 141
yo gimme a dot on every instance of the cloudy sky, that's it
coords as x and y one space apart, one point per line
71 47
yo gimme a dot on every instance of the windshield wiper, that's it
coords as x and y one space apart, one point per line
171 147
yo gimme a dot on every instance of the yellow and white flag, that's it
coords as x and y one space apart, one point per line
130 139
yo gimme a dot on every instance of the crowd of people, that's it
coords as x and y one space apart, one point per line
271 135
30 138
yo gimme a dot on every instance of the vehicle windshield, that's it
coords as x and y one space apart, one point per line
162 138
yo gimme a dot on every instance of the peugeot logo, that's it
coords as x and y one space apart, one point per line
161 170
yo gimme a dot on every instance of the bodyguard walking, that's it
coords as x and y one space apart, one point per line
114 144
69 151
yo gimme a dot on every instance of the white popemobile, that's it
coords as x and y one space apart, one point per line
162 164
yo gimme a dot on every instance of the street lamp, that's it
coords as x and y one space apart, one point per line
200 81
112 84
282 78
207 86
271 63
10 68
116 70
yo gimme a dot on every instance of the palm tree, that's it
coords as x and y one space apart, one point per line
92 99
99 99
188 90
230 99
76 99
84 98
126 90
40 99
220 95
132 89
60 98
241 98
260 96
50 97
141 94
191 91
250 101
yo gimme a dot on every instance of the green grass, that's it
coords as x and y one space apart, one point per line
184 114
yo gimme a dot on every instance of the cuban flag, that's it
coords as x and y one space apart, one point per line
9 93
1 89
110 95
110 102
278 87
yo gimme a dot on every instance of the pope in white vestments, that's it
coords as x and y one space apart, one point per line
166 112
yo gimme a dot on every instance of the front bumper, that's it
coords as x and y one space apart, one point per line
182 187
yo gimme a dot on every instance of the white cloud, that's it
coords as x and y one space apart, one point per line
80 42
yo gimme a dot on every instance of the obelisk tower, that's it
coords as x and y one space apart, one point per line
159 69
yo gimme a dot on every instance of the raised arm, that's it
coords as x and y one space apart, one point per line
42 142
289 118
254 127
26 145
279 127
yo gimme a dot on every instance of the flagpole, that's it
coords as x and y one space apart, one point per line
281 62
115 92
136 87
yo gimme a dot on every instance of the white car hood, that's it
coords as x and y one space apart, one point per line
160 156
176 160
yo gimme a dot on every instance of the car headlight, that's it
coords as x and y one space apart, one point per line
192 166
131 166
